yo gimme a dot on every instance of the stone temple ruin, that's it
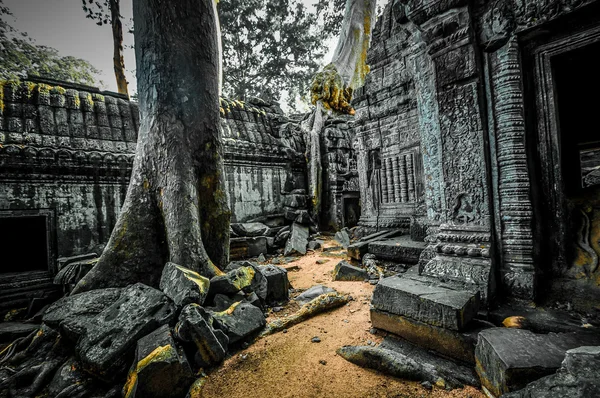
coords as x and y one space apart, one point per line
471 168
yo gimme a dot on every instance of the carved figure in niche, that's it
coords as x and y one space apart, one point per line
584 251
463 211
374 178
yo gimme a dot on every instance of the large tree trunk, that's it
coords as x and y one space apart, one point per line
118 62
176 207
332 88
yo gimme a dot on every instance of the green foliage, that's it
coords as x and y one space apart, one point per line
269 46
20 56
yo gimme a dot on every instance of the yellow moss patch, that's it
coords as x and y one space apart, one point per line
228 311
58 90
202 282
196 388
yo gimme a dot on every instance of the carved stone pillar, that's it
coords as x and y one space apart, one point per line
384 186
389 180
397 176
517 270
410 171
403 179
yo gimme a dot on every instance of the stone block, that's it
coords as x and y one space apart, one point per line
71 314
297 241
294 201
426 302
250 229
342 238
160 369
358 249
239 321
182 285
110 337
508 359
278 284
453 344
193 327
232 282
344 271
401 249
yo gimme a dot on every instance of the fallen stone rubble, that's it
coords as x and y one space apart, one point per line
140 341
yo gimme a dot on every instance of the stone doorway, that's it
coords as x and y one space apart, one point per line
25 240
568 166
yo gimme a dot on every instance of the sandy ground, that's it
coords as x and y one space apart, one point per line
290 365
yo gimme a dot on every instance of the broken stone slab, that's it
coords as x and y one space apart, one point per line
460 374
250 229
344 271
358 249
578 377
509 359
393 363
277 283
10 331
160 368
193 327
72 314
342 238
314 245
401 249
221 302
453 344
297 241
426 302
239 321
73 271
110 337
313 293
258 282
232 282
182 285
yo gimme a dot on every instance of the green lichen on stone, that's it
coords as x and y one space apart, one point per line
44 89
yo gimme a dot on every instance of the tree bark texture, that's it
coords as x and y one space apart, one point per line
118 61
332 88
176 205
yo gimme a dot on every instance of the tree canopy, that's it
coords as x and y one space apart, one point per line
269 46
20 56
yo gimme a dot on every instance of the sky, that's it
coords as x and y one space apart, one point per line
62 24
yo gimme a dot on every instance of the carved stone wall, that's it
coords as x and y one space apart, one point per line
68 149
387 130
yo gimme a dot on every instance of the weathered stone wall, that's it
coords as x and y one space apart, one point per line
449 80
69 150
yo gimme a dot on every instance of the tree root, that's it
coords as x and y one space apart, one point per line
322 303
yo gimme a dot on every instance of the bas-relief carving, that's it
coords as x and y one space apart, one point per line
501 19
462 156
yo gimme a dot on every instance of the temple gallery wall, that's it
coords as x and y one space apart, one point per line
469 137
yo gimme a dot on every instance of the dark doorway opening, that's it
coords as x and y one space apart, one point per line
351 211
577 85
576 82
25 244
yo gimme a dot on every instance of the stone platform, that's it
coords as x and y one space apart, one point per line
400 249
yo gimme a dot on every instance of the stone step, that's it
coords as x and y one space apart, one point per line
456 345
360 248
400 249
426 301
508 359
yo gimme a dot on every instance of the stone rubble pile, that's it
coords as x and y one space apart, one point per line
152 342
